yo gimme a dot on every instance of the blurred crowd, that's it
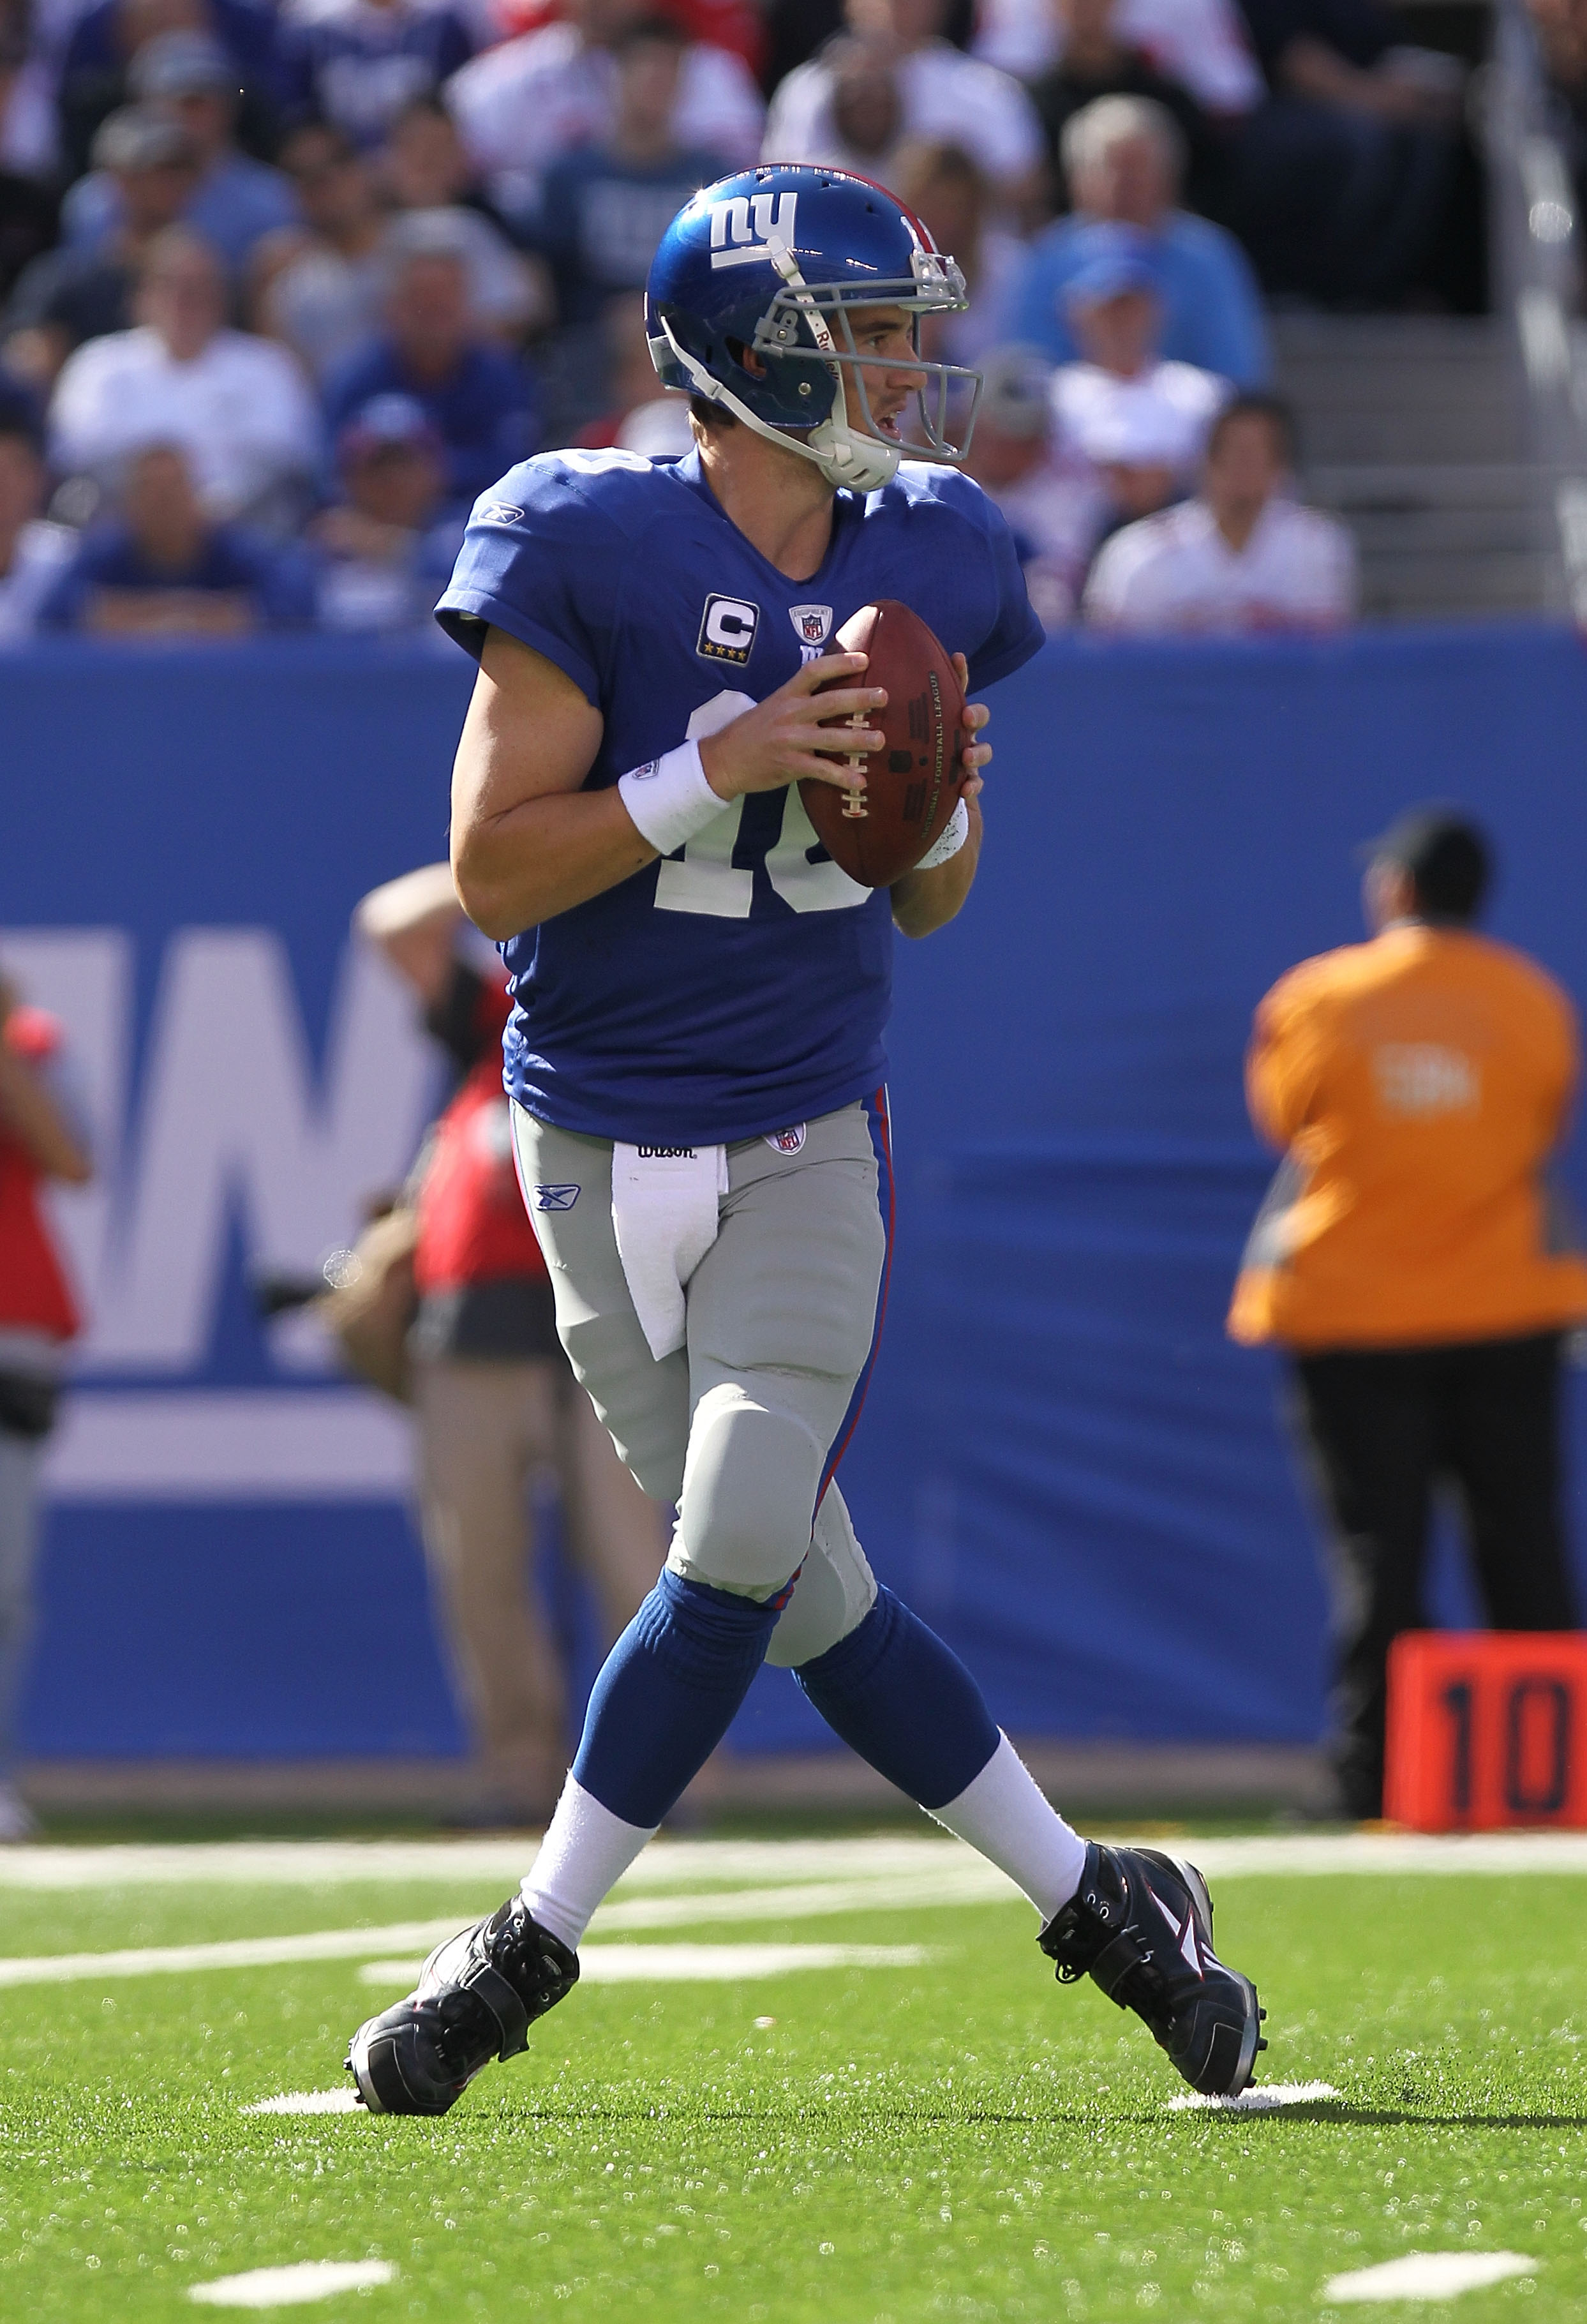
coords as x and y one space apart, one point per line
283 287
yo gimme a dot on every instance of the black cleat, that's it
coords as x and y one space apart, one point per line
476 1998
1141 1925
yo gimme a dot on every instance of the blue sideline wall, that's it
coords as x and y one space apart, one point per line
1063 1462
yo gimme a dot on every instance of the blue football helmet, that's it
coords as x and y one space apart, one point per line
772 261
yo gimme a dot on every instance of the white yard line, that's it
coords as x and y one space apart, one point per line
694 1964
959 1879
312 1863
677 1864
682 1863
1427 2275
293 2287
403 1938
234 1952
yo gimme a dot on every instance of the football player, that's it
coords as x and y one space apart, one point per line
696 1070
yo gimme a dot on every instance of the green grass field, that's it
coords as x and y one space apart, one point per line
952 2137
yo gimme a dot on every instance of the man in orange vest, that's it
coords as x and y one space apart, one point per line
1413 1258
39 1140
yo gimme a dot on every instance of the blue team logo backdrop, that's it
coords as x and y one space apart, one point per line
1063 1462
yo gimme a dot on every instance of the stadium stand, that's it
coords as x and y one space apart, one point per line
534 151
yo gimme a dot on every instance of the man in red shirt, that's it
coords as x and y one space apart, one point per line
39 1140
494 1398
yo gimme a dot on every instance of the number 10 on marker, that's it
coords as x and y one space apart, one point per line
1487 1730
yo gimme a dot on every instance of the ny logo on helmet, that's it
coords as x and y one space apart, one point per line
741 229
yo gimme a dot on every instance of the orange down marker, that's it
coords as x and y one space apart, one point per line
1487 1730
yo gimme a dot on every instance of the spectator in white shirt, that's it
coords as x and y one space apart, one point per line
1139 423
32 554
524 105
1054 510
1200 43
865 109
1240 557
945 94
237 406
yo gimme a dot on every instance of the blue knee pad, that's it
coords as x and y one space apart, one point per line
905 1703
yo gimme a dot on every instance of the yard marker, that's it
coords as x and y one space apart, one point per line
1266 2100
342 2101
293 2287
1427 2275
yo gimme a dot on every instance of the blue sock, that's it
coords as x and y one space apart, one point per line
905 1702
667 1695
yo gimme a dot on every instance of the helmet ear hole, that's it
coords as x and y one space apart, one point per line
746 358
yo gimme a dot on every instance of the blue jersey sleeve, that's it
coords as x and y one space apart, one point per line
541 560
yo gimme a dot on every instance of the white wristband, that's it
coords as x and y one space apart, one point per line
669 798
949 841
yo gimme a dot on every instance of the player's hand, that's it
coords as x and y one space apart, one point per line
973 755
776 742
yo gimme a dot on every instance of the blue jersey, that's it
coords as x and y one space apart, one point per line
743 984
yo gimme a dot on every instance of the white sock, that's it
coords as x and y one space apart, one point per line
585 1852
1012 1823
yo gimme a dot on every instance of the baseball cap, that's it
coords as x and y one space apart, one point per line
1112 260
180 64
386 421
1446 856
137 138
1016 393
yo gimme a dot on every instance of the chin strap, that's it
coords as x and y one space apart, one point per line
863 463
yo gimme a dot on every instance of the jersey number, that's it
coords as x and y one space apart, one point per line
705 878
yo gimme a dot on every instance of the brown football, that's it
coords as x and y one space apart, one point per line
913 782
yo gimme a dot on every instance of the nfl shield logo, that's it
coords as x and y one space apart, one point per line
786 1141
812 623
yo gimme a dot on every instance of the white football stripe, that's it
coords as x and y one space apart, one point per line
342 2101
498 1862
1427 2275
960 1883
238 1952
293 2287
693 1964
412 1939
1264 2099
680 1863
964 1879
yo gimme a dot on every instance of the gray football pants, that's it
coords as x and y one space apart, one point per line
739 1427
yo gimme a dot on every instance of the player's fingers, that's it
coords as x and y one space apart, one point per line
979 754
826 770
823 738
961 670
975 716
825 668
971 788
844 700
